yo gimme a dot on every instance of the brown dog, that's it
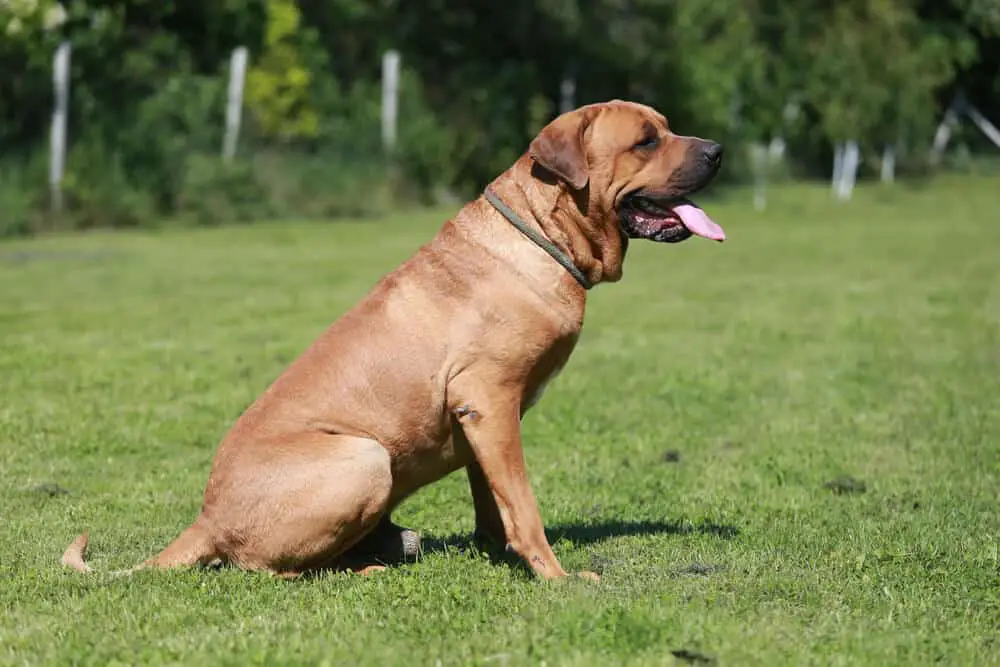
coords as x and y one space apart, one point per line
435 368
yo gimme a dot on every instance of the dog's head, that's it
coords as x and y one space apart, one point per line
622 158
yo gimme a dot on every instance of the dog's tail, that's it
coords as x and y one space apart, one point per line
192 547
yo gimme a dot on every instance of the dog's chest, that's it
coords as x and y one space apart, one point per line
547 369
533 395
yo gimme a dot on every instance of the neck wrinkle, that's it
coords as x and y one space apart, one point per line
595 248
561 221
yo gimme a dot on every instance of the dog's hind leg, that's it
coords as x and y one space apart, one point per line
309 498
312 497
194 546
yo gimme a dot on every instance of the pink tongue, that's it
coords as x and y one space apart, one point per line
698 222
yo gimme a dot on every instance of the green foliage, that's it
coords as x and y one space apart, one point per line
99 192
426 147
180 119
214 192
29 35
148 89
278 84
876 70
983 14
18 210
322 185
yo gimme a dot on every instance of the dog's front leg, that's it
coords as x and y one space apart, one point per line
491 423
489 525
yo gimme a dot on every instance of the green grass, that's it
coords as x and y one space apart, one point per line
821 341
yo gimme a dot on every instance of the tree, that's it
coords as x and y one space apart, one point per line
875 71
279 80
29 34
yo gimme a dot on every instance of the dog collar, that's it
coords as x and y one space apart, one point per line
548 246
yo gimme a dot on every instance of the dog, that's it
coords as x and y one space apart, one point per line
434 369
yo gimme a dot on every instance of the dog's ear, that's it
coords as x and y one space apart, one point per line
560 149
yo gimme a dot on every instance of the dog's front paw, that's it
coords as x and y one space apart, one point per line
589 576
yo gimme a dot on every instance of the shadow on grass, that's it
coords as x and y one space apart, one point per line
581 533
389 553
590 533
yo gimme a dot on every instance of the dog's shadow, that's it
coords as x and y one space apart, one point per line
577 533
589 533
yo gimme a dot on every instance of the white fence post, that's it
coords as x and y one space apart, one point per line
234 105
944 129
888 171
57 160
985 126
567 94
390 98
943 134
760 159
776 149
848 169
838 167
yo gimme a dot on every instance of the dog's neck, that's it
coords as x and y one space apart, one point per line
572 221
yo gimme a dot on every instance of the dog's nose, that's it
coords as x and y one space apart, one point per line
713 152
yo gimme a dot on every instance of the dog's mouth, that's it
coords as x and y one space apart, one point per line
666 220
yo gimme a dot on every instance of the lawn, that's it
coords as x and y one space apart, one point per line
781 450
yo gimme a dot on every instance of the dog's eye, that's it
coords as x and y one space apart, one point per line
648 143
